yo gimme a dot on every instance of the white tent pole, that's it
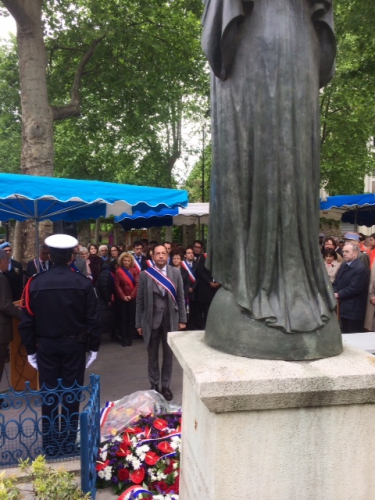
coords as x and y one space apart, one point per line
36 219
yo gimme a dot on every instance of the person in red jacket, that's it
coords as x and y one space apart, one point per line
126 286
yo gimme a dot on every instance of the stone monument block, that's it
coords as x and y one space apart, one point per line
275 430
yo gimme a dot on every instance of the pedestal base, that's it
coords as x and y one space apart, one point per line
275 430
230 330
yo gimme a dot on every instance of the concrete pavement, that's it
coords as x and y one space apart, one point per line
123 370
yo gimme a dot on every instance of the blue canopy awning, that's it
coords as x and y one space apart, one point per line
194 213
356 209
153 218
25 197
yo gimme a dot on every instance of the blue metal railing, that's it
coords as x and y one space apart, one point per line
90 440
61 423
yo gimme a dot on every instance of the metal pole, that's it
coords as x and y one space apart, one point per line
36 219
203 160
355 220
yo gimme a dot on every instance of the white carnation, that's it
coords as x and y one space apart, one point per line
136 463
107 473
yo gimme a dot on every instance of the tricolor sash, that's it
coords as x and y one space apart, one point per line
150 263
41 269
74 268
187 268
137 264
163 281
128 277
134 492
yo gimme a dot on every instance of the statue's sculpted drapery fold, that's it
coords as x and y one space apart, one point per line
269 58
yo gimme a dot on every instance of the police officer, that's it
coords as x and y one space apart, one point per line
59 323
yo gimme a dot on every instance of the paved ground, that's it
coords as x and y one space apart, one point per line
122 370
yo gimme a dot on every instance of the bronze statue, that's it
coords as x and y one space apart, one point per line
268 59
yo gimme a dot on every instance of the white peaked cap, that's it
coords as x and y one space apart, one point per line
62 241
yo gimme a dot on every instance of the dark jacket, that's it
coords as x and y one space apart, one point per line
106 285
203 292
15 277
31 267
7 310
351 284
62 303
143 262
186 281
95 264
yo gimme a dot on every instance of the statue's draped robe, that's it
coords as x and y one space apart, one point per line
268 60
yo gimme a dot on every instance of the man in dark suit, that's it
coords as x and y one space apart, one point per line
44 262
204 292
160 309
14 273
351 287
198 251
139 259
7 310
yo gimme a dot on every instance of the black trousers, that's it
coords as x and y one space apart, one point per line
60 358
195 320
127 311
351 325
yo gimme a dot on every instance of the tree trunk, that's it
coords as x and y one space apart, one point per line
37 116
97 231
168 233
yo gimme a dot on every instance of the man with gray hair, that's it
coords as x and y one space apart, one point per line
44 262
7 310
350 287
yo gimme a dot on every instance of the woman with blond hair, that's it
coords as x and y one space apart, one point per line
126 286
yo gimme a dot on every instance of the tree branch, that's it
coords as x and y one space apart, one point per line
16 10
73 108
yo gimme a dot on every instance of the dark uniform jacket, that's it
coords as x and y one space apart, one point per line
60 303
351 283
7 311
15 277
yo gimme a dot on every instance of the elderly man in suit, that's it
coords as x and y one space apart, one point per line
7 310
350 287
44 262
160 309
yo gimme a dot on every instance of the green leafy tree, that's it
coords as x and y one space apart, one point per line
348 103
199 190
10 111
126 70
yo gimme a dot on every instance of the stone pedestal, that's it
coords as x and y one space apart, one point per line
276 430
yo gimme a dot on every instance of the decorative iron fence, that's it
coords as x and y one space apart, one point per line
90 439
60 423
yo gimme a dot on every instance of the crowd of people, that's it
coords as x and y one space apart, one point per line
151 288
121 300
349 262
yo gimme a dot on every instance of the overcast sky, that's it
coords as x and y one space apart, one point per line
7 24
